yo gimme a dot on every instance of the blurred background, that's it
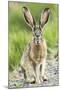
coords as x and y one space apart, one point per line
20 33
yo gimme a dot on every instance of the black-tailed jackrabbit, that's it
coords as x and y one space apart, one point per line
34 56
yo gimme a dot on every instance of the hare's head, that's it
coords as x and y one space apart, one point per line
36 29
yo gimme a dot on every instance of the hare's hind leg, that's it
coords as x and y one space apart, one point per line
29 71
30 74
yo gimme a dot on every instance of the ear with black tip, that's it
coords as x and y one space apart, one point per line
28 17
44 17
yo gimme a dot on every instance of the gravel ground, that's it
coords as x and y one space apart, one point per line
52 71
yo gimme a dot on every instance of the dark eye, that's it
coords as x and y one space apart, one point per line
39 28
34 28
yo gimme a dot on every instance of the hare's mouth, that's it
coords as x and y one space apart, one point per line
37 41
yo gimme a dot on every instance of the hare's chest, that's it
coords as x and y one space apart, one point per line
36 55
38 52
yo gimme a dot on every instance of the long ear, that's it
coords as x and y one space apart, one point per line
28 17
44 17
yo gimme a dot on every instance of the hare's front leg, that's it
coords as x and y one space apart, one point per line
43 75
38 74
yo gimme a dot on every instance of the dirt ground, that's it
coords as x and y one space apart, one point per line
52 70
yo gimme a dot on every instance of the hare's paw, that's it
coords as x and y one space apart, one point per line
30 79
45 78
38 81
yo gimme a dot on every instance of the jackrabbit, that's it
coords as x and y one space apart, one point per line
34 56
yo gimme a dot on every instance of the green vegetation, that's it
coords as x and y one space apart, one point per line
20 33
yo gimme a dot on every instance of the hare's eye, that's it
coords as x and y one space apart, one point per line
40 28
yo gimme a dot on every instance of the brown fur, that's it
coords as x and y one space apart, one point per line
38 51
